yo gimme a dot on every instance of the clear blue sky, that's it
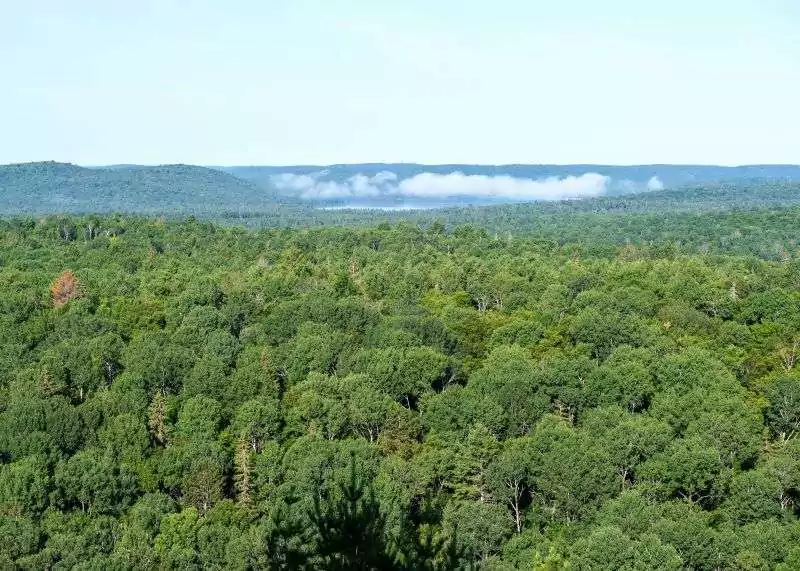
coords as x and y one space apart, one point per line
327 81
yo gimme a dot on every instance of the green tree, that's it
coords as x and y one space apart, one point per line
783 412
609 548
754 495
508 379
510 476
480 527
25 486
95 483
350 532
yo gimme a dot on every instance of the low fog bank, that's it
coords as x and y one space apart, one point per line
429 186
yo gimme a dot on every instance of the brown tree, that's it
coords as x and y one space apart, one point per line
65 288
156 416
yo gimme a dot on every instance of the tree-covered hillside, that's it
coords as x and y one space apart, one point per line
756 219
671 176
250 197
178 395
50 187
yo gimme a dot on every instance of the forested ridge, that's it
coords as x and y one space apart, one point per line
249 196
180 394
47 187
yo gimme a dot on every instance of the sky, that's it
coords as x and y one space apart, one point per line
283 82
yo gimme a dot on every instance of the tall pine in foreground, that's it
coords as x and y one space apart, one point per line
350 533
351 530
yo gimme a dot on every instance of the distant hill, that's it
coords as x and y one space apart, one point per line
624 179
45 187
255 193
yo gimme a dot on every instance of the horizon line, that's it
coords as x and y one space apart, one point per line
398 163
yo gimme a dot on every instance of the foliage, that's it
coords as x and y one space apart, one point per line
399 397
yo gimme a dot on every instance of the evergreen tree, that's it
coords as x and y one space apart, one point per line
350 531
243 471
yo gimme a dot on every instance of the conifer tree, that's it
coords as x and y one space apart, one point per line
351 530
243 468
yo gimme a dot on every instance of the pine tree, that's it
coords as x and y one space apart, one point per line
351 531
430 551
283 543
242 460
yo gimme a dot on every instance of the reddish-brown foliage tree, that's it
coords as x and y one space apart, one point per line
65 288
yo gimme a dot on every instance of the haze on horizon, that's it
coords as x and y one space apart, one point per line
312 82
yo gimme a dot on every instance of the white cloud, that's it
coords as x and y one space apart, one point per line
655 184
310 187
291 181
432 185
383 177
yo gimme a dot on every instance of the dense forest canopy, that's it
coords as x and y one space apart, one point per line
181 394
